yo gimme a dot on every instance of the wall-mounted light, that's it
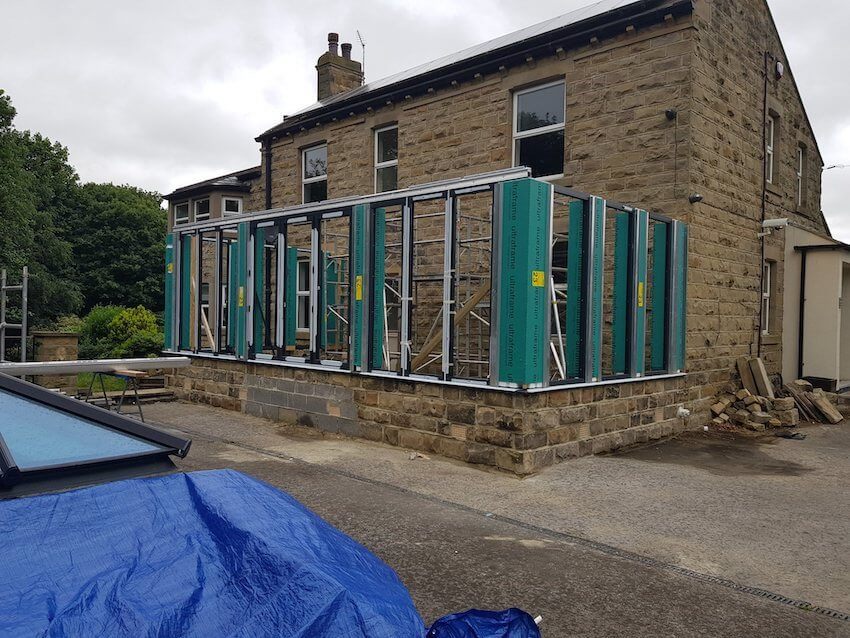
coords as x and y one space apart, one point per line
779 70
696 198
671 114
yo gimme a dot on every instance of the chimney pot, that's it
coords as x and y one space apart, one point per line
333 41
346 50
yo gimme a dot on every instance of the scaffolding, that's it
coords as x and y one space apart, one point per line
5 289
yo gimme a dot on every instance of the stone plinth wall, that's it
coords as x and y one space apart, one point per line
56 346
518 432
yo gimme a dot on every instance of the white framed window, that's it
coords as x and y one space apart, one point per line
770 150
386 159
538 129
302 292
202 209
768 272
314 173
231 205
801 166
181 213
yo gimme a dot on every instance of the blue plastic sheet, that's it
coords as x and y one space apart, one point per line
206 554
511 623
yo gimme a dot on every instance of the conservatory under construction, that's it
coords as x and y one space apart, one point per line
435 313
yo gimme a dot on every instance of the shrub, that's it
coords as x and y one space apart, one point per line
146 343
95 325
69 323
131 321
118 332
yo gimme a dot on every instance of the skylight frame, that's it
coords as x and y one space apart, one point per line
11 475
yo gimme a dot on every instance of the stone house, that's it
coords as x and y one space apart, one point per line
686 109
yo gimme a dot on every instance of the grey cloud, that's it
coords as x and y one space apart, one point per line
162 93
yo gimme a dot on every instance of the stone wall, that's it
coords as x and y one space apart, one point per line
518 432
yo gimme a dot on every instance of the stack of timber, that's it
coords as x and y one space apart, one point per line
813 403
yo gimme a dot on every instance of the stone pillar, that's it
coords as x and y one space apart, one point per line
56 346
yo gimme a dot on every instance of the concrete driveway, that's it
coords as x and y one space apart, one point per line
695 537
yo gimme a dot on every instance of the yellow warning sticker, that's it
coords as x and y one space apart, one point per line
640 294
170 269
538 278
241 297
358 288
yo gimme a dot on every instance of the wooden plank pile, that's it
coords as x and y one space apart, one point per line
757 406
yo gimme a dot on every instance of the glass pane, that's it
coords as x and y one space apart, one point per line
316 191
387 179
202 208
387 145
232 205
297 316
542 107
543 154
39 436
315 162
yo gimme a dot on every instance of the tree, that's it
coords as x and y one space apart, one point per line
117 235
36 181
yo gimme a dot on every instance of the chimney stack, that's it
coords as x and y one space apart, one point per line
337 74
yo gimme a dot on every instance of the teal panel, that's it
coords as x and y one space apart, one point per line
259 307
573 329
680 298
241 345
523 282
168 315
358 274
232 293
291 296
620 315
658 298
594 301
378 293
185 292
639 301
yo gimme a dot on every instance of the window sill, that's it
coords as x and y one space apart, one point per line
770 340
773 188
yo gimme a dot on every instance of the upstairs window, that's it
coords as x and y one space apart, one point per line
314 173
231 205
539 115
202 210
770 150
801 167
386 159
181 213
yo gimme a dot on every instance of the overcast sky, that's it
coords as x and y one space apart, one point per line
163 93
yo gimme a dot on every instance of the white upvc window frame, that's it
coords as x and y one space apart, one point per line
770 148
801 171
767 283
311 180
200 217
552 128
224 211
180 221
389 163
302 296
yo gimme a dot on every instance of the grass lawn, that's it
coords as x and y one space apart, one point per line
110 383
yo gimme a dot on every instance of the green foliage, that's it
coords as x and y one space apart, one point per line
69 323
84 244
115 332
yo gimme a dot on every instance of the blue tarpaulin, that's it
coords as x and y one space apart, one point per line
206 554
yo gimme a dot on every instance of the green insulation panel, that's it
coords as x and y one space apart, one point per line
260 311
169 319
620 310
524 273
186 292
641 227
379 253
291 296
358 273
679 296
658 298
573 329
595 289
241 343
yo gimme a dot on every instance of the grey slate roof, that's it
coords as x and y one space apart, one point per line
573 18
236 181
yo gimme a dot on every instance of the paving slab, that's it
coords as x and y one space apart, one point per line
594 544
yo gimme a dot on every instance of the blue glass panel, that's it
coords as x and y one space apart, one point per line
38 436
